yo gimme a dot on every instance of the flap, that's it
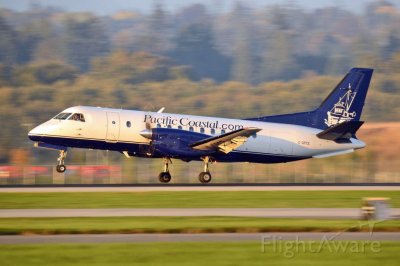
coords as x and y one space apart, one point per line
344 130
226 142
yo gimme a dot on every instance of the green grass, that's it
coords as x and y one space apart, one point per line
13 226
197 199
186 253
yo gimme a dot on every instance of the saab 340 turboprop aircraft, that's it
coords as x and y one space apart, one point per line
326 131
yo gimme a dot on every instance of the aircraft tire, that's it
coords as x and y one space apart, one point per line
164 177
61 168
205 177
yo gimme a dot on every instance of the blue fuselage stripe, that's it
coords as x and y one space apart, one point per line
141 150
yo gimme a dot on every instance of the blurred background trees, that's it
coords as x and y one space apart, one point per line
241 62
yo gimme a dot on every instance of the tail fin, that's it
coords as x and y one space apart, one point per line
344 103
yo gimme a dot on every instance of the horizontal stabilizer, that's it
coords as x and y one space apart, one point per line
226 142
342 131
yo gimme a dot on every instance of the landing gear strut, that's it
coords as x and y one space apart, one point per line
61 167
205 176
165 176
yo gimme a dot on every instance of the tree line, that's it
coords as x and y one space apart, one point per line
239 63
252 45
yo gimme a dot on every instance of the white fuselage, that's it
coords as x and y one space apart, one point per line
115 126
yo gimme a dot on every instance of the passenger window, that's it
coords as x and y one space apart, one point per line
212 131
190 128
169 126
158 125
77 117
202 130
179 127
222 131
128 123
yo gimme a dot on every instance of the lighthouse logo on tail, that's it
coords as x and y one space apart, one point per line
340 111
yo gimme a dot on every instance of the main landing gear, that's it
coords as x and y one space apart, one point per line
61 166
204 177
165 176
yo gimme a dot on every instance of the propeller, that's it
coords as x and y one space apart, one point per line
148 132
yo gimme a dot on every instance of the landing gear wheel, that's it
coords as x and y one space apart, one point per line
61 168
164 177
205 177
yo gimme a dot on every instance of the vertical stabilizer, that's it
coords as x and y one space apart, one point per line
343 104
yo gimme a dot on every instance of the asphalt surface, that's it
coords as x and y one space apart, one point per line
217 237
196 187
317 213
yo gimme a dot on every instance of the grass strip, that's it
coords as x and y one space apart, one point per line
105 225
186 253
194 199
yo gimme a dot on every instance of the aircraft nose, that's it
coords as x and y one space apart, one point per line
34 133
47 128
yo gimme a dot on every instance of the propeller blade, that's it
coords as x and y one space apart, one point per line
148 132
148 126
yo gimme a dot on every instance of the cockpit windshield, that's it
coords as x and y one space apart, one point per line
62 116
77 117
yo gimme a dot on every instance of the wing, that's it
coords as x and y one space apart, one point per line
225 142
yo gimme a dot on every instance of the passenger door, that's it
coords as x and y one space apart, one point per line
113 125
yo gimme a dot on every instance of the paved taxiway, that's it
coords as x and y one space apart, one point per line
317 213
196 187
214 237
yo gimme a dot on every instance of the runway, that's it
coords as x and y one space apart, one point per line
316 213
217 237
197 187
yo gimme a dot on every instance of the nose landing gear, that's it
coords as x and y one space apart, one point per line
61 166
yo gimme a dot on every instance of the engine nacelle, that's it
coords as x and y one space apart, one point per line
176 142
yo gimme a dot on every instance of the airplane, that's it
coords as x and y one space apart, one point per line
328 130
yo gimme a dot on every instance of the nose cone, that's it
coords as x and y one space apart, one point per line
47 128
35 133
